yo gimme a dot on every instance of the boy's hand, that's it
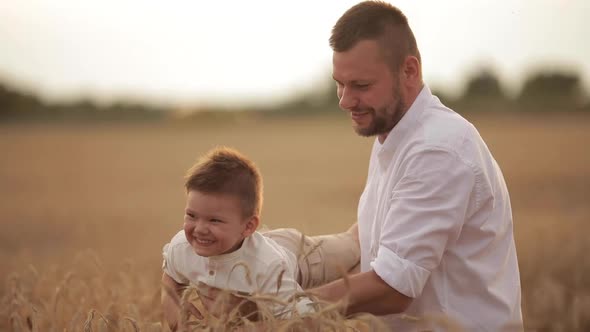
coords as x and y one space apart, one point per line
192 310
218 302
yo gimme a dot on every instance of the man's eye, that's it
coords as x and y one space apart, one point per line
361 86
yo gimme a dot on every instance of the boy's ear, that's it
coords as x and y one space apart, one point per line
251 225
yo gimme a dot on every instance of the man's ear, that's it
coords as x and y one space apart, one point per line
251 225
411 69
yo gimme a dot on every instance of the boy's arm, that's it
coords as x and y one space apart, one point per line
171 303
171 293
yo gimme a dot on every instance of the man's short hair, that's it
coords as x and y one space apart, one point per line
380 21
223 170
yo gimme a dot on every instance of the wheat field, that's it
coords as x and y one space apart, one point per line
85 209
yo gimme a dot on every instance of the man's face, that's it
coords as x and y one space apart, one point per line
368 89
214 224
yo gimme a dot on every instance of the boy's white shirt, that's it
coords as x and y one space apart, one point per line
265 261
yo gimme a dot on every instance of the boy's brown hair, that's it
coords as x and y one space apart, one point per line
224 170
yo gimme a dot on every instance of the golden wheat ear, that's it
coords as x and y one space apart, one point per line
90 318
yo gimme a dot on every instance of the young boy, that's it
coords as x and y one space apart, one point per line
219 246
220 249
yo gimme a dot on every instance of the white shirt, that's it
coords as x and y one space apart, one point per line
254 268
435 221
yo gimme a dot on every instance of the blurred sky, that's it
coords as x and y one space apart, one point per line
191 52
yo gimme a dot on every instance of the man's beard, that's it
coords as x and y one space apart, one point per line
383 120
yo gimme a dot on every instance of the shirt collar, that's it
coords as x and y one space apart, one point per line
231 255
402 128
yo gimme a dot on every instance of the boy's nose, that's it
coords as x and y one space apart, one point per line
201 228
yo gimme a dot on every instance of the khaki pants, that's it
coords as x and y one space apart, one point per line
321 258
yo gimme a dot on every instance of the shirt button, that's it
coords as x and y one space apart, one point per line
211 272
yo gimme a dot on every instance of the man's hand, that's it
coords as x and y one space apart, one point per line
354 231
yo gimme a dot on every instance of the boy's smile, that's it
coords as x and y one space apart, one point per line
204 242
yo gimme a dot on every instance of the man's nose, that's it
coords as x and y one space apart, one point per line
348 100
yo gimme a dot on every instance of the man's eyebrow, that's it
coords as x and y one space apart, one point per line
361 81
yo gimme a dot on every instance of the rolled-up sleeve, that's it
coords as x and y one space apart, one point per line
401 274
426 211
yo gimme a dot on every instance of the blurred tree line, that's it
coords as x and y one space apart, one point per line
483 92
17 105
541 92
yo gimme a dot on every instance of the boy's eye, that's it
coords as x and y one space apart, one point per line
190 215
215 220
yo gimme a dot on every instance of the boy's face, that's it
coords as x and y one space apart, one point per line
214 223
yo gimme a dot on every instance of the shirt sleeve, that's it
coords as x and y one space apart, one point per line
427 209
171 265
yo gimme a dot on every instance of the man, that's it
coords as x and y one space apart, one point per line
434 220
